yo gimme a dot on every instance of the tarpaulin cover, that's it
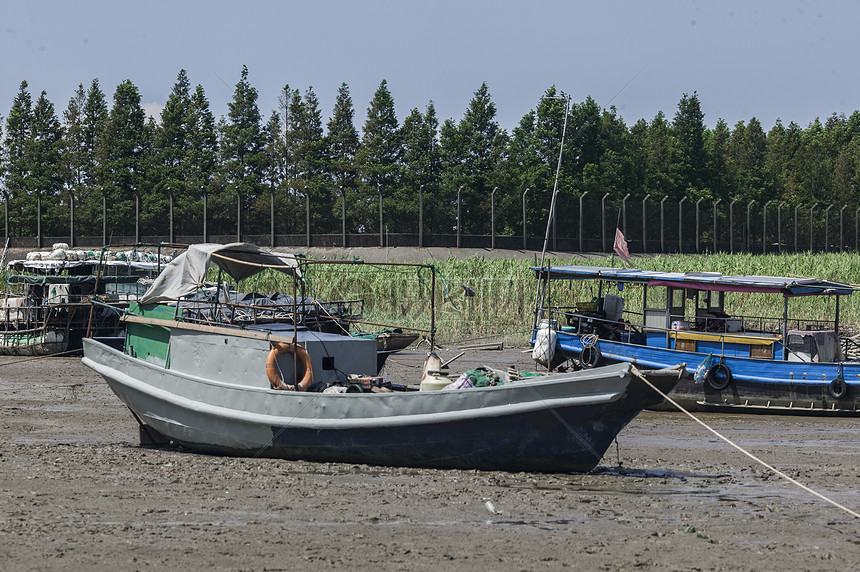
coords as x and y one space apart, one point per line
240 260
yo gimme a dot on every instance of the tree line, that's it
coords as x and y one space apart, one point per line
244 166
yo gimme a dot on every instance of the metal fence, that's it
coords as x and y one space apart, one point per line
584 224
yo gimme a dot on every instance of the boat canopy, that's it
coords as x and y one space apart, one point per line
186 273
713 281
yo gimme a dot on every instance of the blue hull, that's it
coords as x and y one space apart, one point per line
758 385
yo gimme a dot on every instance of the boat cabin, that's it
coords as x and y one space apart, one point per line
687 312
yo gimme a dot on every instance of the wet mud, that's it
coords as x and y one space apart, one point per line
77 491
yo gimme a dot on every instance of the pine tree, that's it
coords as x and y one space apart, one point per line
201 159
474 152
420 168
242 144
19 167
747 152
309 162
660 179
342 145
169 174
689 132
534 150
378 158
121 159
274 168
73 162
717 148
46 177
96 114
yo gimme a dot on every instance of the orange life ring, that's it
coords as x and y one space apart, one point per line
301 353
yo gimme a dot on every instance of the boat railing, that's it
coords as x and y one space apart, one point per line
25 318
309 310
744 324
751 324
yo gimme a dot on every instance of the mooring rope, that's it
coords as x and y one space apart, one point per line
32 358
744 451
588 340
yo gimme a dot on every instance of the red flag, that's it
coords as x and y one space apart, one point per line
620 247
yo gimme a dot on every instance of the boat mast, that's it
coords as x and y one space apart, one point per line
540 297
432 308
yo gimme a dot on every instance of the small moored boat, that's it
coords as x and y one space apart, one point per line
220 389
739 363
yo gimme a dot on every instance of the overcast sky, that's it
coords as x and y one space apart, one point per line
792 60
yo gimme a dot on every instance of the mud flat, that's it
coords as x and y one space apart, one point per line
78 492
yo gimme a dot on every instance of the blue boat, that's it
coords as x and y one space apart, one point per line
735 363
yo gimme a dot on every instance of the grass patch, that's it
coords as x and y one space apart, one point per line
504 290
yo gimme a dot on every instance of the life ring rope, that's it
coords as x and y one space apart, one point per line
300 353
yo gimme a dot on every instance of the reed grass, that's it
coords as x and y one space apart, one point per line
504 290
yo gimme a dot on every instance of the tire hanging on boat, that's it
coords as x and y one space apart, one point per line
837 388
300 353
590 356
719 376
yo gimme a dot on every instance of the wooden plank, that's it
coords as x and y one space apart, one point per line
732 338
205 328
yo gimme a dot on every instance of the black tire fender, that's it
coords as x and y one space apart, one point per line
837 388
719 376
590 356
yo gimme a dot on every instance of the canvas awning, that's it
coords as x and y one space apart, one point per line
788 286
186 273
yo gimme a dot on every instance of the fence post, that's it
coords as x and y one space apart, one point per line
238 216
272 214
748 237
811 229
6 204
525 235
779 226
732 225
797 206
381 236
856 229
581 223
827 228
603 222
764 228
205 216
136 216
624 213
842 228
645 224
493 218
172 237
716 202
681 224
343 216
421 216
71 219
307 218
697 223
662 224
459 212
39 220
